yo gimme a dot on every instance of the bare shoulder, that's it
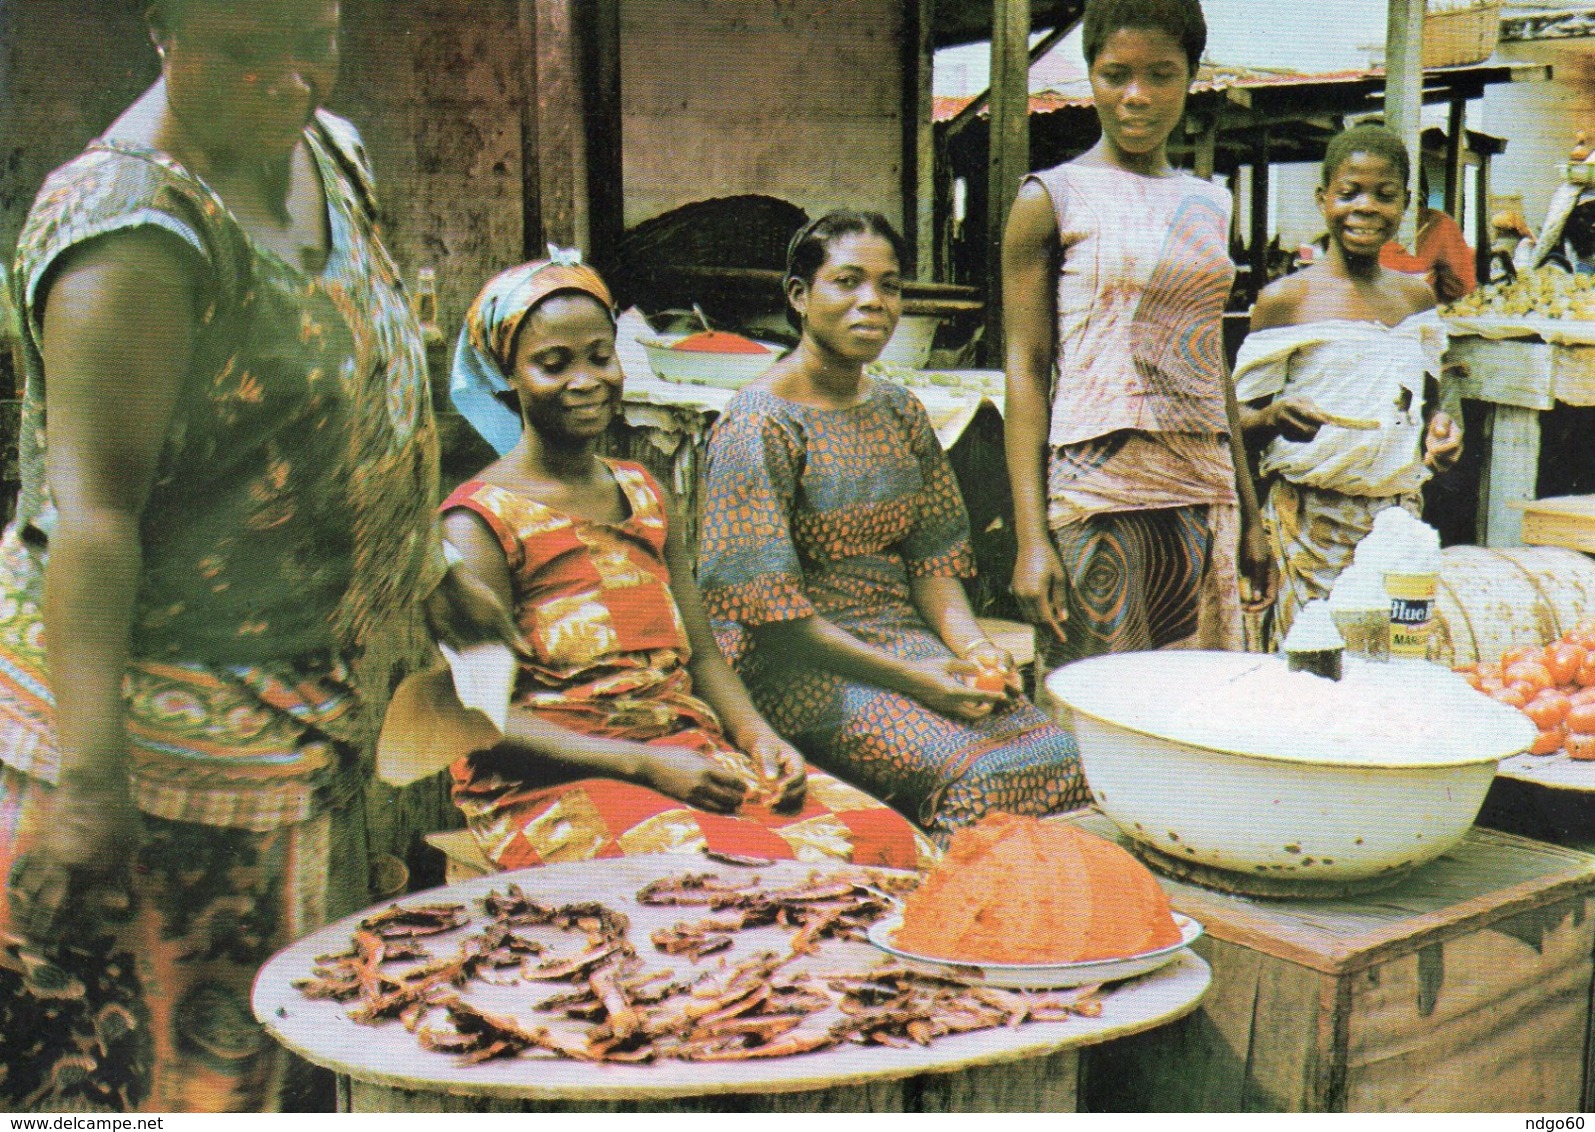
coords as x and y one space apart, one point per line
1280 303
1415 293
1034 216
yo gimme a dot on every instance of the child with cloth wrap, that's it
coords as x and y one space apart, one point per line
1334 375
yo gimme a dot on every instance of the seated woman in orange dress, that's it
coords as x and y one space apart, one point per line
627 731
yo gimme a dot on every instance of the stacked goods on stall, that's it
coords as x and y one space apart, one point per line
1554 685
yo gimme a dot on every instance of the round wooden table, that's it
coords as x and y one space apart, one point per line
1032 1067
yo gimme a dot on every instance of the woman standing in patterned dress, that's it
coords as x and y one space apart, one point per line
224 531
834 540
1133 506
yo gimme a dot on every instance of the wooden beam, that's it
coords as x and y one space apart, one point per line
599 82
1009 153
1257 252
1206 147
972 111
919 138
1483 221
553 123
1456 138
1404 91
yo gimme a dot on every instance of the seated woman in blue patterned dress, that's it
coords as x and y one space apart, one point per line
834 541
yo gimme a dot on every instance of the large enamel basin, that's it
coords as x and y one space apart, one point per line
1285 807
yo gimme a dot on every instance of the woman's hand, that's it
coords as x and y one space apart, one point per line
940 686
1296 419
991 658
690 777
782 772
464 610
1040 586
73 878
1258 577
1442 442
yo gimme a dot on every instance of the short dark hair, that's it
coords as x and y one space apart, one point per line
1374 140
810 244
1182 20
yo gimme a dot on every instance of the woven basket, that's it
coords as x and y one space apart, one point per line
1456 37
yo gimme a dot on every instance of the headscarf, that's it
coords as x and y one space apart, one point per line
483 356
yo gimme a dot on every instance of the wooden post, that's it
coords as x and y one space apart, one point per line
1483 222
1206 150
919 138
1404 92
552 125
1257 253
1511 472
1456 146
1009 159
599 80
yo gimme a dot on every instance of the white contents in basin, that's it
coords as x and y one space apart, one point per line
1376 714
1313 630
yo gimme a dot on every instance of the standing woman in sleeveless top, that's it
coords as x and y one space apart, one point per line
1134 512
222 544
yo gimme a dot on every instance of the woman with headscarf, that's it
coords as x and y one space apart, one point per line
627 732
223 538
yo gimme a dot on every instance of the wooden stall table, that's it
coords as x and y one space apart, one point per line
382 1068
1463 987
1519 368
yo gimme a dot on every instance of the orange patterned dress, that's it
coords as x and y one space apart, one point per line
594 600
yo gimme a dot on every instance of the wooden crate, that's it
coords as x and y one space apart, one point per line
1466 987
1565 520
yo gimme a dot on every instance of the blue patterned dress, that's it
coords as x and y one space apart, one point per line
831 512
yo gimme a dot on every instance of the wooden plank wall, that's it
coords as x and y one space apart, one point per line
798 100
436 92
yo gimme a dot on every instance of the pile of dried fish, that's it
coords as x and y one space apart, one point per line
825 907
761 1007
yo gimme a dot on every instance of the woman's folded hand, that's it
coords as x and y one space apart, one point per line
943 685
692 778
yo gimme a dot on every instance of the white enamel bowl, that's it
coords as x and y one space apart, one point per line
1282 810
700 367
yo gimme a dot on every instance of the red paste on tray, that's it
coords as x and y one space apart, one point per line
1019 890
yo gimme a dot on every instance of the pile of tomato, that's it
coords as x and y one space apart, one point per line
1553 685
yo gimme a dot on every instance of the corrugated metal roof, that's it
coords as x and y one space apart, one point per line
1075 93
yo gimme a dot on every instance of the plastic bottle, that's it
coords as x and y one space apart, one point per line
1410 584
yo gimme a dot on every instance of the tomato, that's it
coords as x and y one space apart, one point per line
1564 660
1519 653
1547 742
988 680
1529 672
1548 709
1580 746
1491 680
1511 697
1581 717
1586 674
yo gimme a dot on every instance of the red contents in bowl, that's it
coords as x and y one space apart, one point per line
720 342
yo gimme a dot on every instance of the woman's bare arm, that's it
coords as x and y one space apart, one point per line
118 330
1029 306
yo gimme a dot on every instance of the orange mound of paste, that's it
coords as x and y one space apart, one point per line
1018 890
